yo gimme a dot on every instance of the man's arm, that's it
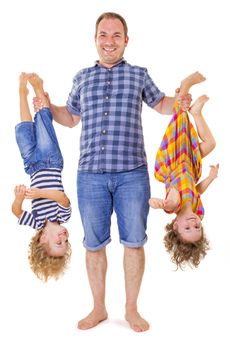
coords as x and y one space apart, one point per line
62 116
203 185
54 195
165 106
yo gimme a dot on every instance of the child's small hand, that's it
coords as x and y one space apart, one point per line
213 171
32 193
20 191
157 203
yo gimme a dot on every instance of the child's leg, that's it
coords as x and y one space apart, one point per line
208 142
37 84
47 143
25 114
188 82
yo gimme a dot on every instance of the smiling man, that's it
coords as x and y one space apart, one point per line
111 40
112 173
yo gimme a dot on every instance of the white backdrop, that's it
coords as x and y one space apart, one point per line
172 39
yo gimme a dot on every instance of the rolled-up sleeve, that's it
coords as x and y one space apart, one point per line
151 93
73 102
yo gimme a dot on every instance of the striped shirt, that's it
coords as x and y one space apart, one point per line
109 102
45 209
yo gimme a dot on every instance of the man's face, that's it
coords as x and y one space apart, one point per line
110 41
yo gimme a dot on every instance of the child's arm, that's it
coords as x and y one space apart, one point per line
54 195
169 204
203 185
172 201
19 192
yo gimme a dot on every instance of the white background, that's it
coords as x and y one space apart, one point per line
172 39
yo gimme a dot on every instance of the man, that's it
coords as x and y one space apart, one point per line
107 98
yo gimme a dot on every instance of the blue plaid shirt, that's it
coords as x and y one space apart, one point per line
109 102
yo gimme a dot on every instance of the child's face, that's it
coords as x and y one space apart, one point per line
189 227
55 238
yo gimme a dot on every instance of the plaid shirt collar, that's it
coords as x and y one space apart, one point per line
121 62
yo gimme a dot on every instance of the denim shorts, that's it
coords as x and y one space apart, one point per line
38 143
125 192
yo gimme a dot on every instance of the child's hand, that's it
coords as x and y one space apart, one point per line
33 193
213 171
20 191
157 203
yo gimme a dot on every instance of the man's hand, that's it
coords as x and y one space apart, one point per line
37 102
184 100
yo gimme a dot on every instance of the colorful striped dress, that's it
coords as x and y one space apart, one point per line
178 161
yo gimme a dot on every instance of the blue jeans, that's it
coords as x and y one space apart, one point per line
38 143
125 192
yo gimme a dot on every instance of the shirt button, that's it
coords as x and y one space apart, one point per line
108 82
106 113
106 97
103 131
102 148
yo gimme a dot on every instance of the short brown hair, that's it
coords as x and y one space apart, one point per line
114 16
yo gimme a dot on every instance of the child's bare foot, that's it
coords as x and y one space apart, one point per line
197 106
37 84
194 78
23 78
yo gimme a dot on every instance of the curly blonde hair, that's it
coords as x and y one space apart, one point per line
182 252
43 265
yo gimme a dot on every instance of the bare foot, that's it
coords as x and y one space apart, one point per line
37 84
136 322
93 319
197 106
194 78
23 78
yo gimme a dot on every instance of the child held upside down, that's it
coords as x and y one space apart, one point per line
49 249
178 165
